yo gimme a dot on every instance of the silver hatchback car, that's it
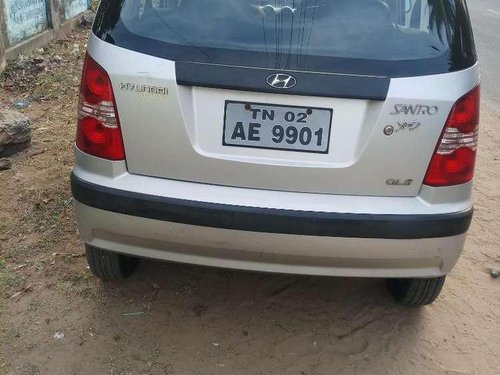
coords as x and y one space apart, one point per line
319 137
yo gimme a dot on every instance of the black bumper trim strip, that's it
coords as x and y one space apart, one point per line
268 220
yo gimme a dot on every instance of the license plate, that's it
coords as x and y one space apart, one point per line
279 127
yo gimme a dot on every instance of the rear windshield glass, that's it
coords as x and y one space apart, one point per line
349 36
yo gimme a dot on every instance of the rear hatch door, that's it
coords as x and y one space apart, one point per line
329 97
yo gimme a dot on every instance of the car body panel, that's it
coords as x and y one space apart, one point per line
272 252
175 132
114 174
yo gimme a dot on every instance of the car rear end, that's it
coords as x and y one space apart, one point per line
317 137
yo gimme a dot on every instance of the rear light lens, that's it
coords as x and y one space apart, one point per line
455 156
98 131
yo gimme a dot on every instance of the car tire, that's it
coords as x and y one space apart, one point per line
110 266
415 292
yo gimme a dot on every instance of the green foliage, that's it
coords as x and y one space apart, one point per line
94 5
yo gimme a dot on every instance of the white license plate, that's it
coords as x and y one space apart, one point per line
272 126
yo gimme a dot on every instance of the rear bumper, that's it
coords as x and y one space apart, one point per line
269 239
267 220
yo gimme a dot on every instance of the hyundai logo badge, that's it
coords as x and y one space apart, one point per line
281 81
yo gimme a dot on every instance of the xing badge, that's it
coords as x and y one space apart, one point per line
410 126
402 126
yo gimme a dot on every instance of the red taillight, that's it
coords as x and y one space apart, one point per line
98 132
454 159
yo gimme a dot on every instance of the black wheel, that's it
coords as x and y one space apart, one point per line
415 292
110 266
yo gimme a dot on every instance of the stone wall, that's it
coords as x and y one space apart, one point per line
29 24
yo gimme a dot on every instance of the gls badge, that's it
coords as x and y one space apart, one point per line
398 182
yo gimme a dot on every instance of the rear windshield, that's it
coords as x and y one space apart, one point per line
381 37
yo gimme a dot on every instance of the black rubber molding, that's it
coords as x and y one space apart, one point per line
269 220
307 83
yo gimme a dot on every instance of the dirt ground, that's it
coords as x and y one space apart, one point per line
178 319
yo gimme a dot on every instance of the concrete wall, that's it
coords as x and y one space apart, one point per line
73 8
29 24
24 19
